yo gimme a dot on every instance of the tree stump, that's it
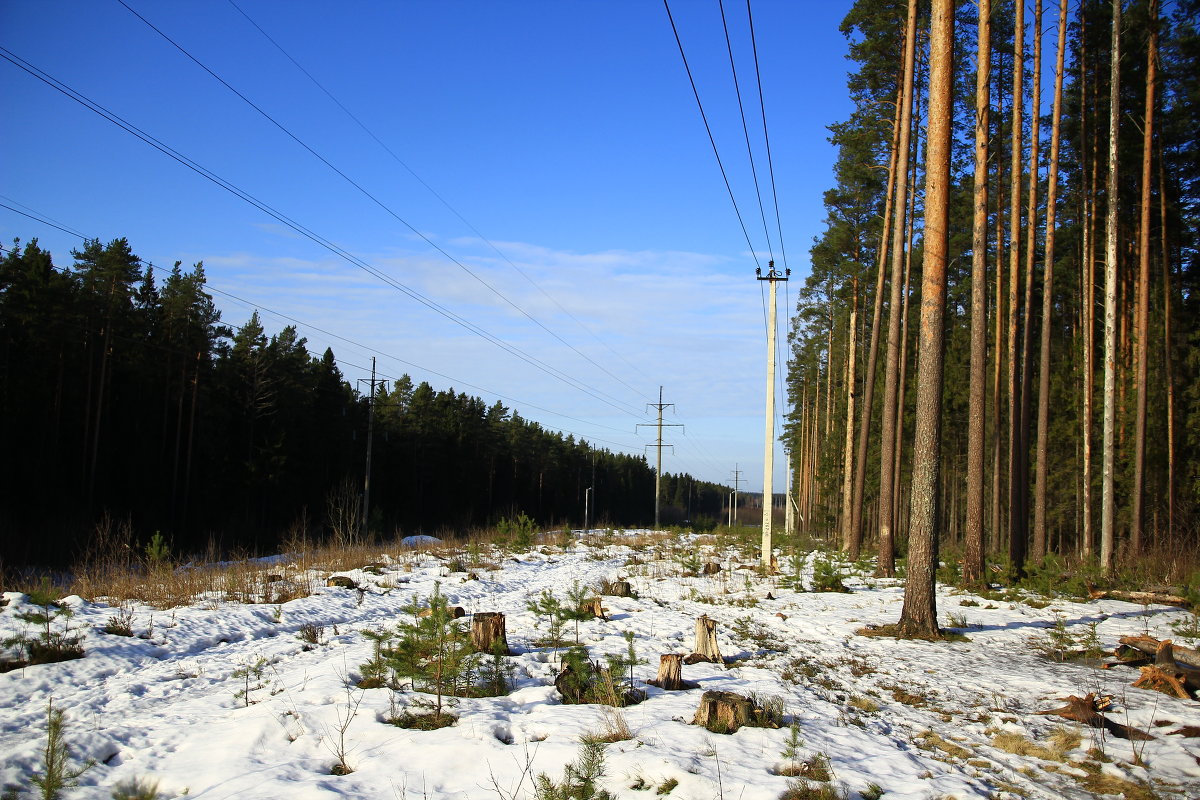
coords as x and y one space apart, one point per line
593 607
723 712
487 632
670 673
620 588
706 642
710 568
455 612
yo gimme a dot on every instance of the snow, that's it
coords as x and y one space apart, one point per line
164 704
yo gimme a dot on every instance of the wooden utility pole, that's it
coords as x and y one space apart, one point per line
370 439
660 405
772 277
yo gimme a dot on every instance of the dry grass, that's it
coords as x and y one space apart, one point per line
114 570
1062 741
614 727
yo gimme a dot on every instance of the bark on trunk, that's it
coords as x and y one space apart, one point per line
1043 424
864 425
973 555
887 553
918 617
1143 295
1108 498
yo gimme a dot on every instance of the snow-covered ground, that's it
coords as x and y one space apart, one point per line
915 719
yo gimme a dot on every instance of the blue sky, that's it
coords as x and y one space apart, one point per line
565 134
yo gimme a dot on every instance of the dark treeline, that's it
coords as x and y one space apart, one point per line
1061 432
122 395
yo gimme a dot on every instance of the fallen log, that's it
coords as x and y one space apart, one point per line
1086 711
1142 598
1183 656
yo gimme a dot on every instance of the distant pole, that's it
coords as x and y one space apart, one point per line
366 511
587 506
737 478
660 405
772 277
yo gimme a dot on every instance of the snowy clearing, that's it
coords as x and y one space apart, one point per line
914 719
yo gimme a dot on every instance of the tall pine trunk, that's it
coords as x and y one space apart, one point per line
1016 530
1108 501
864 426
918 617
1035 145
1143 295
1043 424
887 551
973 552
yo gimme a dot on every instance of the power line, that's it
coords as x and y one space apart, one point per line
302 230
440 198
708 128
766 136
745 130
388 209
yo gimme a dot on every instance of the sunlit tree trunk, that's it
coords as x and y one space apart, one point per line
864 426
1168 297
887 552
1016 528
1143 295
848 451
1031 216
973 554
918 617
1043 424
1107 496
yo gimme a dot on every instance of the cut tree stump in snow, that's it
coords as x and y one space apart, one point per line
670 673
710 568
455 612
620 589
723 712
1086 710
593 607
706 643
487 631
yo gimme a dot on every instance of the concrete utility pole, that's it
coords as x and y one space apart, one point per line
772 277
370 438
660 405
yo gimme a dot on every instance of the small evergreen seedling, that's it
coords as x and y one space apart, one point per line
496 673
251 674
579 779
57 772
53 642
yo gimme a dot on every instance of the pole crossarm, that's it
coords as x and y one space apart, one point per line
659 406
